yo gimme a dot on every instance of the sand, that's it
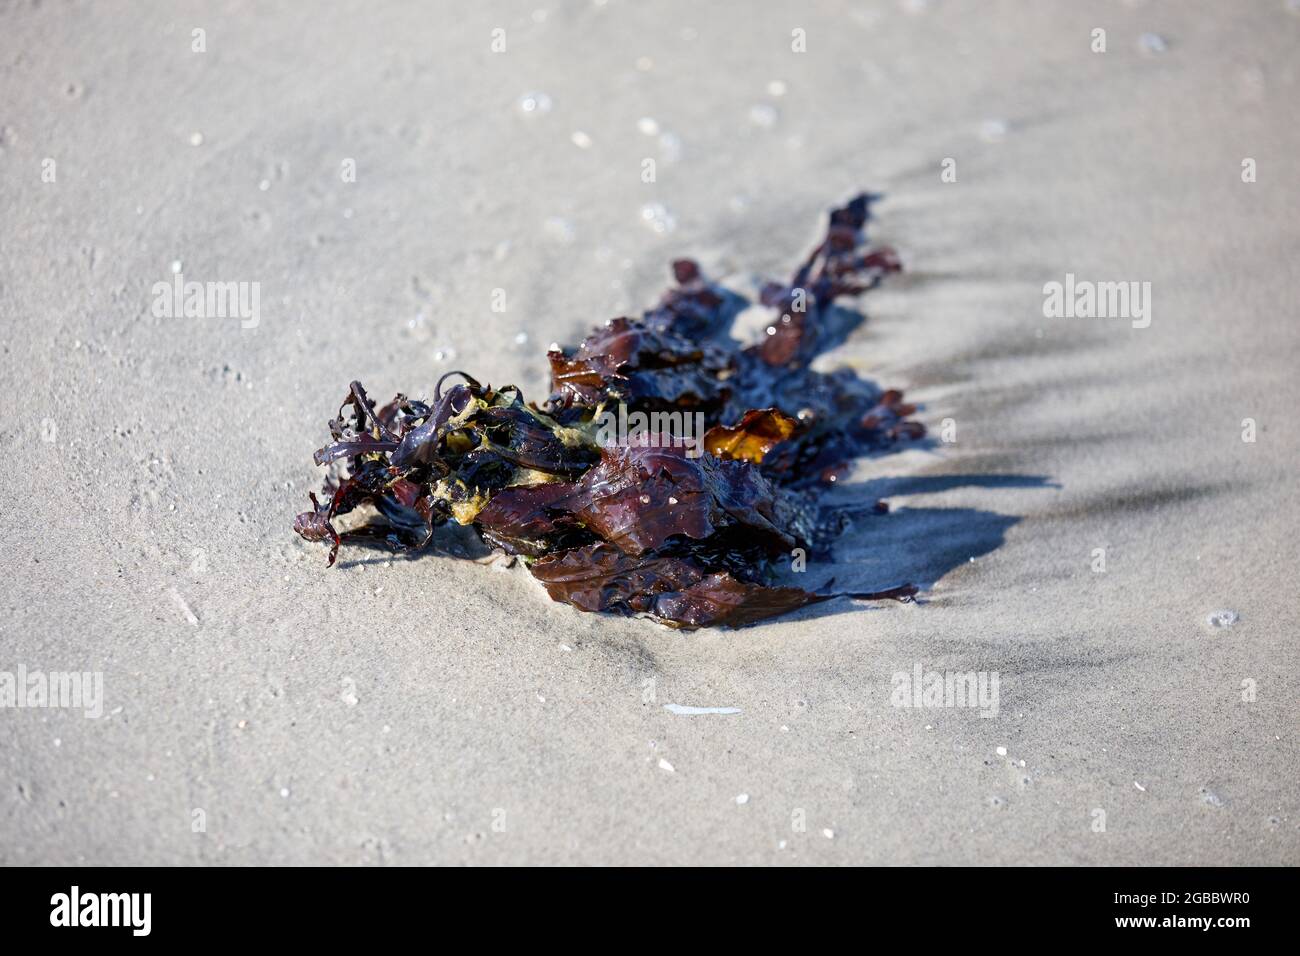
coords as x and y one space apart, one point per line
259 708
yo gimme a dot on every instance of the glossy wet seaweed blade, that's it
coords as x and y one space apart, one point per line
686 529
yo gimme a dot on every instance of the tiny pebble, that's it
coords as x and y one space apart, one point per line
993 131
1152 43
560 229
670 145
763 115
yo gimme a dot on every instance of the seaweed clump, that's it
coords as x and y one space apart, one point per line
669 471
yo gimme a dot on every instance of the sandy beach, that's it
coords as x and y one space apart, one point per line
1105 517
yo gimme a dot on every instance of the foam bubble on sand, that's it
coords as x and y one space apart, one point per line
658 218
533 104
1223 618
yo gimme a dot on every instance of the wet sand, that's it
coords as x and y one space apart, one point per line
259 708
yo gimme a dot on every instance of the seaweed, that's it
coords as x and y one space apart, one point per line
669 470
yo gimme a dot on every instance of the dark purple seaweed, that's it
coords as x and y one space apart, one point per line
686 528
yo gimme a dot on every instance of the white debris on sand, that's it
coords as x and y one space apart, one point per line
684 710
185 608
